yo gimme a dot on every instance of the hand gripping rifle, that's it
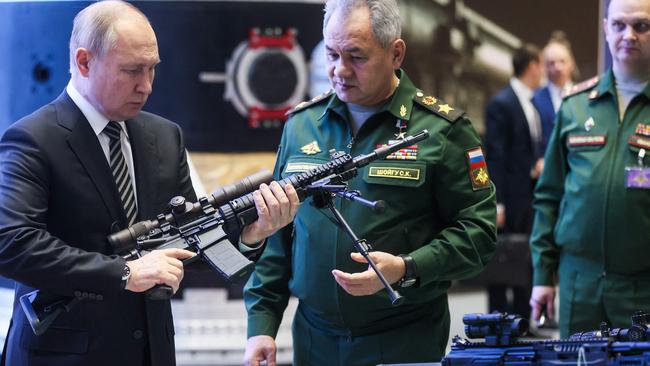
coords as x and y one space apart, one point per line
209 227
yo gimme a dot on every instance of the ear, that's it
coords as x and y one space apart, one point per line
398 49
605 27
83 57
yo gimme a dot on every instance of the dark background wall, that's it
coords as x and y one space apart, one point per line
197 36
533 21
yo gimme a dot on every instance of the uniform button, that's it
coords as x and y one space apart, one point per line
604 274
77 293
137 334
84 295
92 296
100 297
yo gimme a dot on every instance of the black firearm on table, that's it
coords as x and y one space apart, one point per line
604 347
210 226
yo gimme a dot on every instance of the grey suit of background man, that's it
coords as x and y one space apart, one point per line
59 200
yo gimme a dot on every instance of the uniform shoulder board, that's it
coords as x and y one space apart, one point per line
307 103
580 87
437 106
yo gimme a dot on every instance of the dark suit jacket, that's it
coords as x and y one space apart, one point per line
544 104
58 201
510 157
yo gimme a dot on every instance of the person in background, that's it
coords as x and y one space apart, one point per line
560 68
514 154
591 202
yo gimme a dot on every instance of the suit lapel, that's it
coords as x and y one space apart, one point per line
145 160
83 142
520 114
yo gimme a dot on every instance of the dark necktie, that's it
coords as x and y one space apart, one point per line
121 171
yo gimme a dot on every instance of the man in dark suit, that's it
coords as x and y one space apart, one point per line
77 168
513 137
560 67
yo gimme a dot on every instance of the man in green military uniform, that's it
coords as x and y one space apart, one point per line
592 217
439 222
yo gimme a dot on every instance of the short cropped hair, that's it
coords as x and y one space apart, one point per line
384 17
93 28
523 57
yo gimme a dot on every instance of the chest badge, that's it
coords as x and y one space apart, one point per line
311 148
643 129
589 124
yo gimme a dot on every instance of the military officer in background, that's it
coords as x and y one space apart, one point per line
439 223
592 217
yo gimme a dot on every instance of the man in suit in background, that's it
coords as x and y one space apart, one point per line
77 168
560 67
513 146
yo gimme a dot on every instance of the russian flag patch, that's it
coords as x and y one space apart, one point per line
478 173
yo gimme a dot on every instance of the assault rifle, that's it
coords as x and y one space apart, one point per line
210 226
604 347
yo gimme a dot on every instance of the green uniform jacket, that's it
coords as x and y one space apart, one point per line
433 212
584 212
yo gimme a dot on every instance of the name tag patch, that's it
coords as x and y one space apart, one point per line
640 142
394 172
586 140
299 167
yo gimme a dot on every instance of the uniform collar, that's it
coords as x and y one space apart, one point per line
607 85
400 104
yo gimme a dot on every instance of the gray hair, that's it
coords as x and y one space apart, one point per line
93 28
384 17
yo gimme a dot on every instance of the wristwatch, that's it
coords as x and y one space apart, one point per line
410 274
126 274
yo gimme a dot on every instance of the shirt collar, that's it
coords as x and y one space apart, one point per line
555 90
97 121
521 90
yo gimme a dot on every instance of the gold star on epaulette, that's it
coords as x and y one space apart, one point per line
438 107
445 108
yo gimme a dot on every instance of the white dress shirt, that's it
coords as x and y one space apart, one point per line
98 122
525 95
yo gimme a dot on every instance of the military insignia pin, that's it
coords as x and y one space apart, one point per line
478 173
589 124
429 100
311 148
401 128
402 111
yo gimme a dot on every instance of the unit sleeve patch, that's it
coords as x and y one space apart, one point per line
478 173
